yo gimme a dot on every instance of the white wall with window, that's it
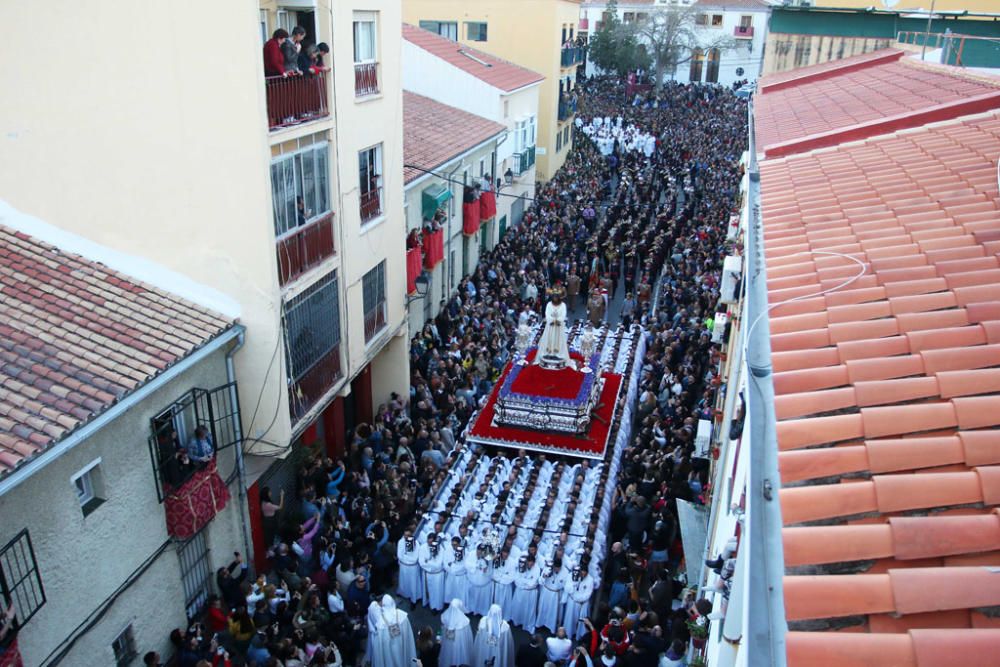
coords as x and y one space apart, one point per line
365 37
300 187
370 183
89 485
476 31
448 29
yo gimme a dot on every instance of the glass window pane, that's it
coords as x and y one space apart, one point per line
277 198
322 181
288 177
307 163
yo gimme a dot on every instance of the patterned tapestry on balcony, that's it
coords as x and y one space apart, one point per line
433 248
196 502
412 269
487 205
470 217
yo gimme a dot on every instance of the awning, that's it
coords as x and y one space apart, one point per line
433 197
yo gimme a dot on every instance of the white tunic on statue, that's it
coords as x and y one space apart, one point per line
410 574
456 636
402 649
494 641
553 342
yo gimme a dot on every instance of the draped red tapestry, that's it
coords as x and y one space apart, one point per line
487 205
470 218
433 248
412 269
194 504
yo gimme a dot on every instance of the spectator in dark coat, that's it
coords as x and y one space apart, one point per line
229 585
274 60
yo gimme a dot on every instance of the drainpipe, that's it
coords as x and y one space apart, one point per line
451 219
241 469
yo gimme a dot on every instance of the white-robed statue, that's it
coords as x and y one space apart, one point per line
494 641
393 644
456 636
553 348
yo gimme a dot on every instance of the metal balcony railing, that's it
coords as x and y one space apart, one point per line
371 204
567 108
365 79
523 161
292 100
570 56
304 248
743 32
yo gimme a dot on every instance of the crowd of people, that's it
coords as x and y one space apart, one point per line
346 543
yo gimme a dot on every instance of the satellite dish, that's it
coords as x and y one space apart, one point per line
889 4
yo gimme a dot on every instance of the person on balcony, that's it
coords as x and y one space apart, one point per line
200 448
274 60
290 50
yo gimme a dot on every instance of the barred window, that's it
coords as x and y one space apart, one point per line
20 580
303 175
196 574
312 325
373 289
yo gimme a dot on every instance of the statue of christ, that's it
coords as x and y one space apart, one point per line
553 348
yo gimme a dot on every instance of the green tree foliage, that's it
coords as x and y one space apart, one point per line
613 48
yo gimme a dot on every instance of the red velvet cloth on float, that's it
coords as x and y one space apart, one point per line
190 507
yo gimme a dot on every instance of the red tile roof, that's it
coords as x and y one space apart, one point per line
76 337
434 133
860 97
495 71
887 385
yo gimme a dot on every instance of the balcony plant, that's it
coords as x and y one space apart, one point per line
699 634
697 661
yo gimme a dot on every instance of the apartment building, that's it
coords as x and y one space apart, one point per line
108 539
739 25
283 194
536 34
451 208
491 88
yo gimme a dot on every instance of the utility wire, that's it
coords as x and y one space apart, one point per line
451 180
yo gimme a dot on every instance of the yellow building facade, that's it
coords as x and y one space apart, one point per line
530 33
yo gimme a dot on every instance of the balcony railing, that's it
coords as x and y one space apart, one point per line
571 56
523 161
567 108
365 79
315 383
375 320
371 204
304 248
743 32
293 100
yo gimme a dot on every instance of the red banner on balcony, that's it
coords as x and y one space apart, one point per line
196 502
11 657
412 269
487 205
470 218
433 248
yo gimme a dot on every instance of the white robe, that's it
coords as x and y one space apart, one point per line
550 596
578 594
553 342
456 636
396 636
480 591
433 567
503 579
456 584
525 602
410 575
494 641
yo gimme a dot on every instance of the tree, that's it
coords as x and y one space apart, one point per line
671 35
613 48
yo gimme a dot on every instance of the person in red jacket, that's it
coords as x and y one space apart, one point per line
274 60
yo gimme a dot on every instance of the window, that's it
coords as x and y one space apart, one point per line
195 573
641 17
263 25
506 108
475 31
312 326
746 21
697 56
451 270
716 20
566 136
89 487
370 182
20 581
447 29
285 21
558 141
365 47
482 167
373 293
629 17
701 19
712 68
531 131
124 647
300 188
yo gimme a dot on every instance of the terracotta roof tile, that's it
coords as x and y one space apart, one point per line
75 337
434 133
495 71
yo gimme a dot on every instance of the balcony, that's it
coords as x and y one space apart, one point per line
567 109
375 321
523 161
293 100
304 248
365 79
371 204
315 383
571 56
743 32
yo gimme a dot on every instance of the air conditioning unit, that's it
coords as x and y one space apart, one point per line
732 272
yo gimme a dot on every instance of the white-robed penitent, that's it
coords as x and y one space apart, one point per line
525 601
432 565
456 636
579 589
410 574
398 637
550 598
480 592
503 581
494 641
376 647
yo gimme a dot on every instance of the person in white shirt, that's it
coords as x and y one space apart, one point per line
409 567
334 600
525 602
431 561
558 648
